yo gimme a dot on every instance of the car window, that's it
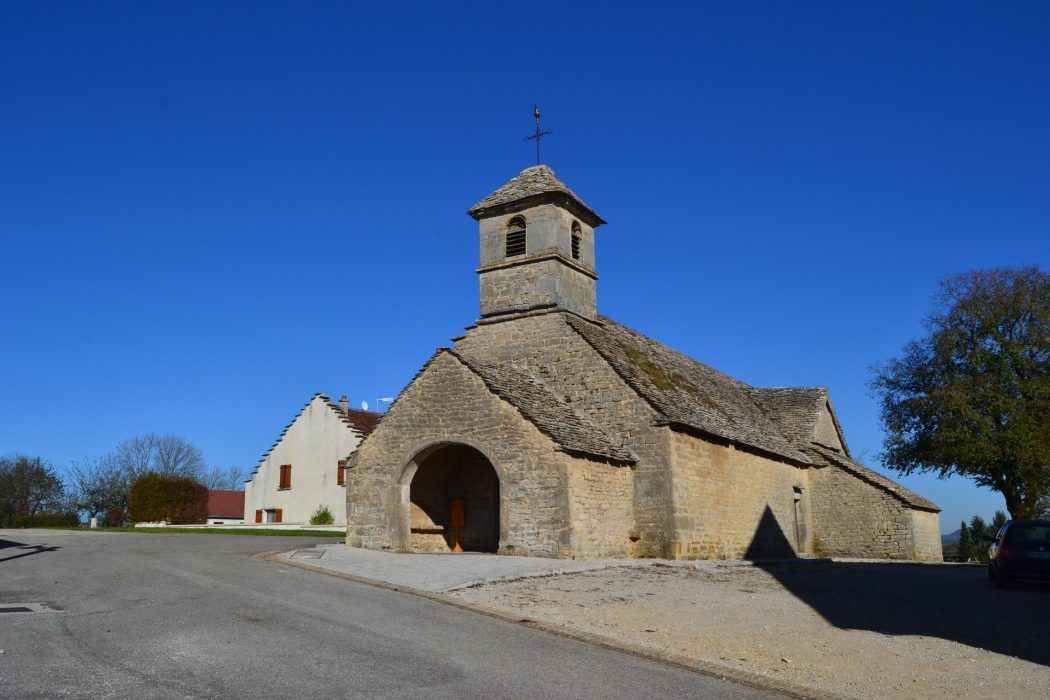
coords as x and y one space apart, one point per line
1029 535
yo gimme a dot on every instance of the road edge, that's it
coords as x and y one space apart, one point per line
744 679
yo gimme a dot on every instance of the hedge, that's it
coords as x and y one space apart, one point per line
177 500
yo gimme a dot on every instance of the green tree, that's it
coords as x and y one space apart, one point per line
978 533
965 541
29 487
972 397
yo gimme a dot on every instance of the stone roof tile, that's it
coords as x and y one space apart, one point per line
685 392
794 410
535 182
571 431
833 458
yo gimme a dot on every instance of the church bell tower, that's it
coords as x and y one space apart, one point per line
537 248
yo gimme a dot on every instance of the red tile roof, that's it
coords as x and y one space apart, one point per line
365 421
225 504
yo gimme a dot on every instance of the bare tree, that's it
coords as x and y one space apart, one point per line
169 455
100 486
229 478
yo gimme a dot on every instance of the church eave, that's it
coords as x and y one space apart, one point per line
687 429
563 199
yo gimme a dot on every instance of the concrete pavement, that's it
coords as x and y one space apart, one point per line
440 572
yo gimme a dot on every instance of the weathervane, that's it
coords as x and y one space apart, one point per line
539 134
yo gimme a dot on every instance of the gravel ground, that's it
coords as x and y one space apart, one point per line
848 629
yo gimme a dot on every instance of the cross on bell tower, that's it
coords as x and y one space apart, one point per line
539 134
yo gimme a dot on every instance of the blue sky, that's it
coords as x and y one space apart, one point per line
211 210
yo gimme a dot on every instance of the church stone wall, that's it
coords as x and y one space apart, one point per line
730 504
547 346
926 533
853 518
600 508
448 403
532 283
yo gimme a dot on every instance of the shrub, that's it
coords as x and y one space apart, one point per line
178 500
69 519
115 517
322 516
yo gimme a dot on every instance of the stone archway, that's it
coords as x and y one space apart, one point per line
453 500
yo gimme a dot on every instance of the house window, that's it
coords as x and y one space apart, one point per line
286 477
273 515
576 235
516 237
340 472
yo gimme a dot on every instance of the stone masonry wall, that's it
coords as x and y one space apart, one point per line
853 518
600 509
447 402
926 533
546 345
534 283
729 503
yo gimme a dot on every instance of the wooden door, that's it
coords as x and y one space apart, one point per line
457 521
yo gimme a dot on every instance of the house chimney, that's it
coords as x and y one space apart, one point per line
343 405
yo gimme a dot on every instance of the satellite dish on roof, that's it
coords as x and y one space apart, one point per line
364 405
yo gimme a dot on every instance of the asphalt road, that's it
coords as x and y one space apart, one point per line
193 616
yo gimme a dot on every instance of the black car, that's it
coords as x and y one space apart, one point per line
1020 550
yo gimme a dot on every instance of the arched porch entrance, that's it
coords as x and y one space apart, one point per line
453 500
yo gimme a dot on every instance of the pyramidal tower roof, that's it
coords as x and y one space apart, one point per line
532 186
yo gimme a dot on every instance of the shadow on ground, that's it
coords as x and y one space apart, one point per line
956 603
28 550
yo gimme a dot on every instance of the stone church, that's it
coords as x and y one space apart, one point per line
548 429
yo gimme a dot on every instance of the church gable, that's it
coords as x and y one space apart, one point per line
803 415
828 432
457 407
570 430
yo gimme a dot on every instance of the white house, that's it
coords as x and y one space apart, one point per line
304 468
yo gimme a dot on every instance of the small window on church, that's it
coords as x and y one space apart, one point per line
576 235
516 237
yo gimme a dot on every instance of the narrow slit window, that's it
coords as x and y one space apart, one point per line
576 235
340 472
516 237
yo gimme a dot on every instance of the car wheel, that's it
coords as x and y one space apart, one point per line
1002 581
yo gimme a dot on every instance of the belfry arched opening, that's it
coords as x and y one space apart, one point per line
454 501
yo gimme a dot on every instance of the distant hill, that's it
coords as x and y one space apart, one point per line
950 538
